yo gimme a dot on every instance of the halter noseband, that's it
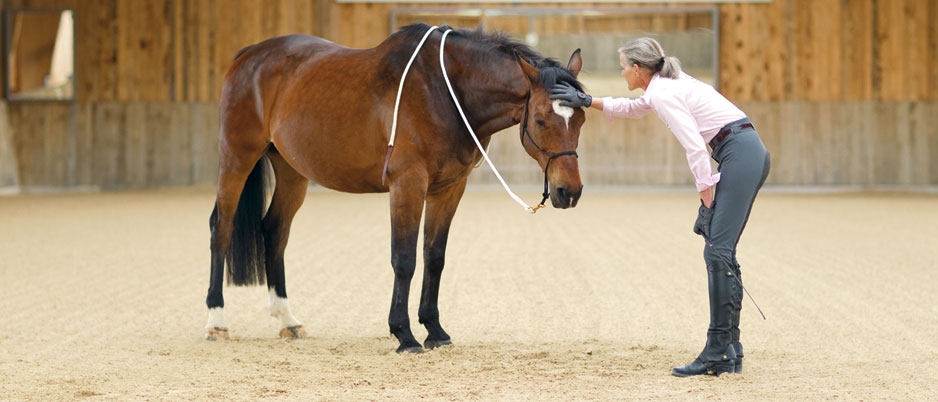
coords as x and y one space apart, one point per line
550 156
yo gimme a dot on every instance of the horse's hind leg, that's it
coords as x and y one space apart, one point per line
288 197
441 206
240 181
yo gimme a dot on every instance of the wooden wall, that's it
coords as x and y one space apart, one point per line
842 91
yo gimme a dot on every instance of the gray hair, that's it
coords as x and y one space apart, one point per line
647 53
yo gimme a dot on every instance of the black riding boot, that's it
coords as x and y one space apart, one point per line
735 330
718 356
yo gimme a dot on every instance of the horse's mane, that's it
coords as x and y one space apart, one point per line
551 70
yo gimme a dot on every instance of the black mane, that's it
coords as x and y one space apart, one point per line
551 70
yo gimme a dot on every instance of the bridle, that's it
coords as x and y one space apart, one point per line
550 156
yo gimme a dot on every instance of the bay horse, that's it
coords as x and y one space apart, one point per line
319 111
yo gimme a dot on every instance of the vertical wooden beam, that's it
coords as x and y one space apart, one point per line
767 29
817 55
916 72
889 45
933 54
736 68
177 44
857 37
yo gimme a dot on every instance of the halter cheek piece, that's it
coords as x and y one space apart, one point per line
550 156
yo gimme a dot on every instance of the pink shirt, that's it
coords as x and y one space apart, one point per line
691 109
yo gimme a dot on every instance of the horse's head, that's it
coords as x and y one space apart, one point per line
550 132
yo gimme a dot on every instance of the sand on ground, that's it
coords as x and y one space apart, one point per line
103 299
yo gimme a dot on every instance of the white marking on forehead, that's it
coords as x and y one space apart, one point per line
564 111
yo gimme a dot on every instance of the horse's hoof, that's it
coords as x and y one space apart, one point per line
410 349
216 333
296 332
433 344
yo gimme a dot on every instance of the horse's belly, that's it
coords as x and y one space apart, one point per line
332 162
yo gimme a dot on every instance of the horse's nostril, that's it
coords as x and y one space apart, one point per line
561 194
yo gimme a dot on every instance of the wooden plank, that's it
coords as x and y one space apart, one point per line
789 153
40 143
927 121
135 155
769 51
326 12
916 72
178 50
107 161
903 143
158 142
807 149
933 52
204 141
921 133
272 18
96 51
83 150
851 140
194 60
26 128
857 37
144 55
816 43
9 174
55 139
208 77
885 142
889 48
735 63
866 130
304 18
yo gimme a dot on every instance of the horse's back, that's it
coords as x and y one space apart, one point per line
313 99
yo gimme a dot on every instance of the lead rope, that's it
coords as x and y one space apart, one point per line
473 134
397 102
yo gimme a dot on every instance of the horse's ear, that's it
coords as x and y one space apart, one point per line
533 74
576 63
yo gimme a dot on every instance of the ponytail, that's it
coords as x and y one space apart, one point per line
670 67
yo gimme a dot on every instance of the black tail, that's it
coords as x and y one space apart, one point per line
246 255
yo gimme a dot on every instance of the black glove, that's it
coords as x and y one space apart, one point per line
704 216
570 96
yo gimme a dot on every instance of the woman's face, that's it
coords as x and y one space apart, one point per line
631 73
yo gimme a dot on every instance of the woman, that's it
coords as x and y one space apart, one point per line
698 115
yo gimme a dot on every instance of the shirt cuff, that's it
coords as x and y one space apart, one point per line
607 107
707 182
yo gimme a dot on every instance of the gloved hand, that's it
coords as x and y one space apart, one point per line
570 96
704 216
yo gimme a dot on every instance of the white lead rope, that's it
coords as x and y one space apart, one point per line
474 138
400 88
397 103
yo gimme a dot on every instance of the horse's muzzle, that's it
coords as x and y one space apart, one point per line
563 198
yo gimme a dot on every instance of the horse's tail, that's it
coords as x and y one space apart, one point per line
246 254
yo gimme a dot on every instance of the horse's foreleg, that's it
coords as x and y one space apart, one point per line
407 199
441 207
289 194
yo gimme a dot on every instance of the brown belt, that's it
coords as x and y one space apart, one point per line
717 139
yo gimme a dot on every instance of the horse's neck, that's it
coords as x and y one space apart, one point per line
493 88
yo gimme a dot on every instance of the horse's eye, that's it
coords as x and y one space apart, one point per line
540 122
